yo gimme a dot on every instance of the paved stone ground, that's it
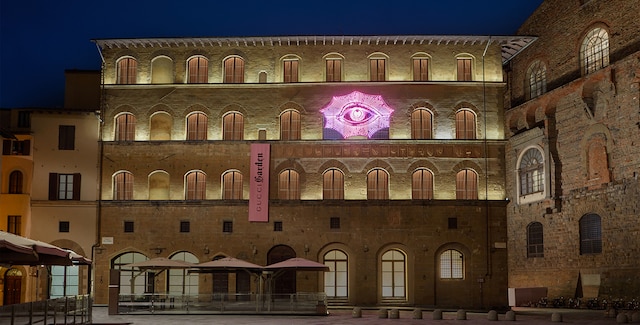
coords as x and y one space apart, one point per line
369 316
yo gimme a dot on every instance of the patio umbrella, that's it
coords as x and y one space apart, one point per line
160 264
226 264
297 263
18 250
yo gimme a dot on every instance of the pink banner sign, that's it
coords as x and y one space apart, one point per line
259 183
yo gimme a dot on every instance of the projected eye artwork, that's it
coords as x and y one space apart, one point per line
357 114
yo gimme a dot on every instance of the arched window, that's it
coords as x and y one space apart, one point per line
422 184
594 53
162 70
590 234
451 264
160 126
234 70
289 185
198 68
195 185
159 185
290 70
179 281
333 184
531 171
233 126
465 125
64 281
290 125
535 240
15 182
466 185
197 126
232 185
393 274
140 284
597 161
336 279
537 79
126 71
123 186
125 127
378 184
421 124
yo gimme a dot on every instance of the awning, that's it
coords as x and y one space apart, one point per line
18 250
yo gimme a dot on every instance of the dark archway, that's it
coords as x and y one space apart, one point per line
285 283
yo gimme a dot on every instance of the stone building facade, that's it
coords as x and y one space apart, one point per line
386 162
573 155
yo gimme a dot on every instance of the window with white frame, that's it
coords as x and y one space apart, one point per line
336 279
451 264
393 274
537 79
531 172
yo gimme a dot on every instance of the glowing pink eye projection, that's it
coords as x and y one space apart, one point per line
357 114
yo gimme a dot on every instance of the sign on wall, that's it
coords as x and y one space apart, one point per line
259 183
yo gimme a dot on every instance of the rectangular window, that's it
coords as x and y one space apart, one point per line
277 226
377 69
334 70
334 223
227 226
66 137
420 69
464 69
63 226
128 226
290 71
453 223
185 226
14 224
24 119
16 147
64 186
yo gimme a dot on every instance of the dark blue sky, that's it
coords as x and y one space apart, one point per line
40 39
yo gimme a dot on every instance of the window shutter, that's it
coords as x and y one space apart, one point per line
26 147
53 186
76 186
6 147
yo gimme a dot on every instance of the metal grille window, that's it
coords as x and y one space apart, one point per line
421 124
333 185
422 185
595 51
277 226
535 240
227 226
128 226
590 234
531 172
126 71
451 264
125 127
334 223
63 226
185 226
336 279
393 274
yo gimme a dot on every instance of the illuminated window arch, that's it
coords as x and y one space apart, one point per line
162 70
290 69
195 185
535 240
590 234
422 184
198 69
378 184
336 283
377 67
160 125
197 126
232 185
234 70
180 281
420 67
464 68
123 186
531 171
451 264
159 185
126 71
594 52
466 185
334 67
290 125
333 184
139 284
16 182
421 124
289 185
393 266
465 124
233 126
125 127
536 79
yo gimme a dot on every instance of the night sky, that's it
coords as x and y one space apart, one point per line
41 39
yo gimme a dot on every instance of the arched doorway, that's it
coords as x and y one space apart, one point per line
12 286
220 282
285 283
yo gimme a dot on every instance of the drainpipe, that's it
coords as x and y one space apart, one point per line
486 161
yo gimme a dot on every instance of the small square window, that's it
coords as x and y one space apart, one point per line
128 226
185 226
334 223
227 226
277 226
453 223
63 226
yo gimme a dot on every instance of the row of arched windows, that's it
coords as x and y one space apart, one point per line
233 69
590 229
393 274
594 55
290 125
289 185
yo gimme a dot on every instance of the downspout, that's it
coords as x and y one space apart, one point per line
486 162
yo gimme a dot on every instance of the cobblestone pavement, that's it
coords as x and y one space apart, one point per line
344 317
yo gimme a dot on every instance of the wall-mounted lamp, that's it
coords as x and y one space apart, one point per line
206 249
158 250
306 248
365 248
254 250
99 249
